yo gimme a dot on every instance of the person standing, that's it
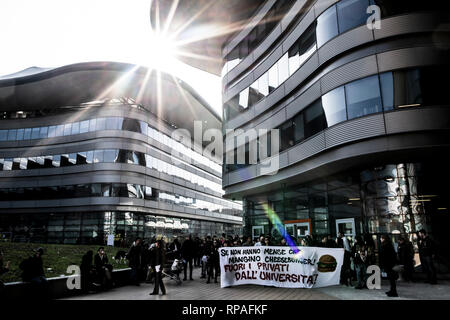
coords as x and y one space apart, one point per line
187 253
33 271
150 255
248 242
175 248
360 256
213 261
158 261
134 257
370 246
342 242
406 258
202 251
197 252
427 252
388 259
260 242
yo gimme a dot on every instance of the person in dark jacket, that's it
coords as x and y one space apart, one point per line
213 262
175 249
134 257
158 261
427 253
33 271
87 271
187 253
103 268
360 256
406 258
388 259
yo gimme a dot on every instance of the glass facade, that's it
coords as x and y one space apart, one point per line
93 227
339 18
395 199
107 123
114 190
384 92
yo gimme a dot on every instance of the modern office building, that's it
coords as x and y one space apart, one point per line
86 151
362 112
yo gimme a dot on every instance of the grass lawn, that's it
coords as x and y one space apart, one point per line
56 258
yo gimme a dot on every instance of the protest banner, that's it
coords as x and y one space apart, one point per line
311 267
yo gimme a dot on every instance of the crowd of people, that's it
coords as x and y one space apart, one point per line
147 260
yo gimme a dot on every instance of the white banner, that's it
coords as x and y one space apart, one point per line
311 267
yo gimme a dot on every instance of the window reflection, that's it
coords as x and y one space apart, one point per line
387 90
12 134
67 129
257 35
334 106
314 119
108 190
273 78
109 156
84 126
35 133
363 97
75 128
115 123
327 26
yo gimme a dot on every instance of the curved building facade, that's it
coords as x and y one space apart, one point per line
362 112
86 151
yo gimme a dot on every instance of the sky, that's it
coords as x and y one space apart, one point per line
53 33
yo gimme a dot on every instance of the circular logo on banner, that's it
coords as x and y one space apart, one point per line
327 263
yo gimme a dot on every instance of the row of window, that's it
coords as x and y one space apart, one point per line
386 91
341 17
93 227
106 156
257 35
297 55
106 190
107 123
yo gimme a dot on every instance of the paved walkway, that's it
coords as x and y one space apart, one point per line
198 289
